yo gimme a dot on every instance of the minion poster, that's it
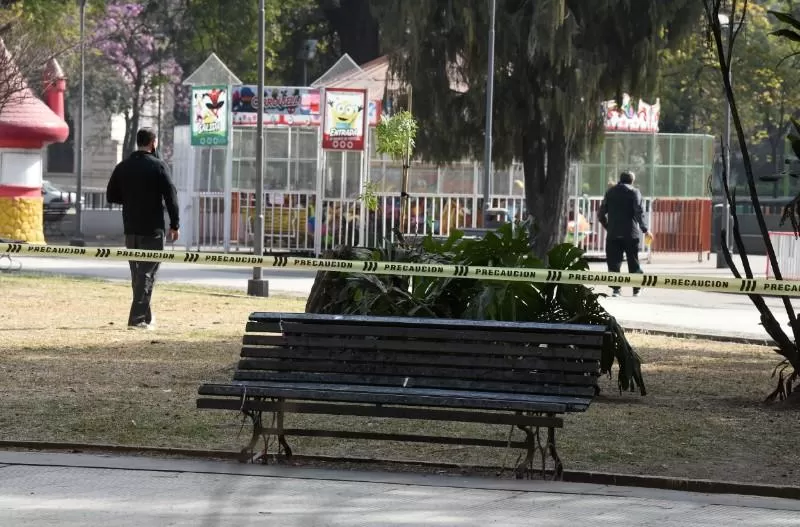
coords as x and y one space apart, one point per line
209 117
344 119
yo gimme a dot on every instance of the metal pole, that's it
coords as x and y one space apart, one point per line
79 135
259 234
725 205
728 163
487 156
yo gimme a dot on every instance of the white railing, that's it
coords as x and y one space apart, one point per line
591 235
294 220
95 199
786 247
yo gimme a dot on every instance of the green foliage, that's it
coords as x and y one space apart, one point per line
556 61
369 196
693 101
459 298
396 135
785 346
205 26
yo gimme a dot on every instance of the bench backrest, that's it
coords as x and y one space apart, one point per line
532 358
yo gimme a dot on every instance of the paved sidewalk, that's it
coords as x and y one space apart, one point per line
38 489
664 309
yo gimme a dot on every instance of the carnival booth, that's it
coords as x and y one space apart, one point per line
27 125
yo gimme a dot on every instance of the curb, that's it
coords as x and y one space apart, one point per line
570 476
688 334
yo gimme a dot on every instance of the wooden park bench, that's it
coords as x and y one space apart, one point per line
522 375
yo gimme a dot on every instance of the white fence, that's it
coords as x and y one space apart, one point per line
290 220
786 247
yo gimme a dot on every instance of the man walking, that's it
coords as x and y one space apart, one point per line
142 185
622 216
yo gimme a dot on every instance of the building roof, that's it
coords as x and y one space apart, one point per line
212 71
374 76
371 76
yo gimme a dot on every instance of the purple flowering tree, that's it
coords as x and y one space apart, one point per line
140 70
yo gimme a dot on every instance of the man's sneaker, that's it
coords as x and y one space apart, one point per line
142 325
615 293
637 294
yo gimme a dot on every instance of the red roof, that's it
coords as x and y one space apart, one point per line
26 121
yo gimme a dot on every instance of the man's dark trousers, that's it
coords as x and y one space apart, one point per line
616 249
143 277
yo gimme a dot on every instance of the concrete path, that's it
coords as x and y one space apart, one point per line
38 490
684 311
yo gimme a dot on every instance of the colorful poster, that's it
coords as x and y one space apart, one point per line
344 119
283 106
210 115
630 117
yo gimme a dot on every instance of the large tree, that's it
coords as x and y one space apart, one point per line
353 27
692 100
556 62
33 32
723 39
134 60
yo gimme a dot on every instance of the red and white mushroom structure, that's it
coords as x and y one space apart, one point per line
27 126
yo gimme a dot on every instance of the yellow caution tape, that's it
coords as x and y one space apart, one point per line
517 274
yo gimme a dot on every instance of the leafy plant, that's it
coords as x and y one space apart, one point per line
369 196
787 346
396 137
461 298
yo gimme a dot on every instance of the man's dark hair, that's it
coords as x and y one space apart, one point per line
626 178
144 137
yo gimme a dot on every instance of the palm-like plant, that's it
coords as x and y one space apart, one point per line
461 298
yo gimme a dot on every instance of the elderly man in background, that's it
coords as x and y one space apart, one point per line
622 215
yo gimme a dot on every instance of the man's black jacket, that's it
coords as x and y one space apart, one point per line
142 185
621 212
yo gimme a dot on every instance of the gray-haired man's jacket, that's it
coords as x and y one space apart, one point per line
621 212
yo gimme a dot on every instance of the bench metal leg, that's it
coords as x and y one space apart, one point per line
247 451
558 468
282 438
538 451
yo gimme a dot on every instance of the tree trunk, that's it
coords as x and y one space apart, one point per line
133 127
546 166
128 136
132 124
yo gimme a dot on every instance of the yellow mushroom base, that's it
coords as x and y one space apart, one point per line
21 219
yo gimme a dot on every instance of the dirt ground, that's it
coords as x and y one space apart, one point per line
70 371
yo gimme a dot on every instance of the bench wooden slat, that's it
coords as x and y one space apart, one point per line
399 412
488 348
420 359
416 371
363 320
405 332
415 382
398 396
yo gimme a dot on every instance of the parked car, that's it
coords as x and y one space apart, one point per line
56 201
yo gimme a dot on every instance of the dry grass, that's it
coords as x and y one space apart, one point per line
70 371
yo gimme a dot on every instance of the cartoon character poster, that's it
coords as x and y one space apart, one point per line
209 116
283 106
344 119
